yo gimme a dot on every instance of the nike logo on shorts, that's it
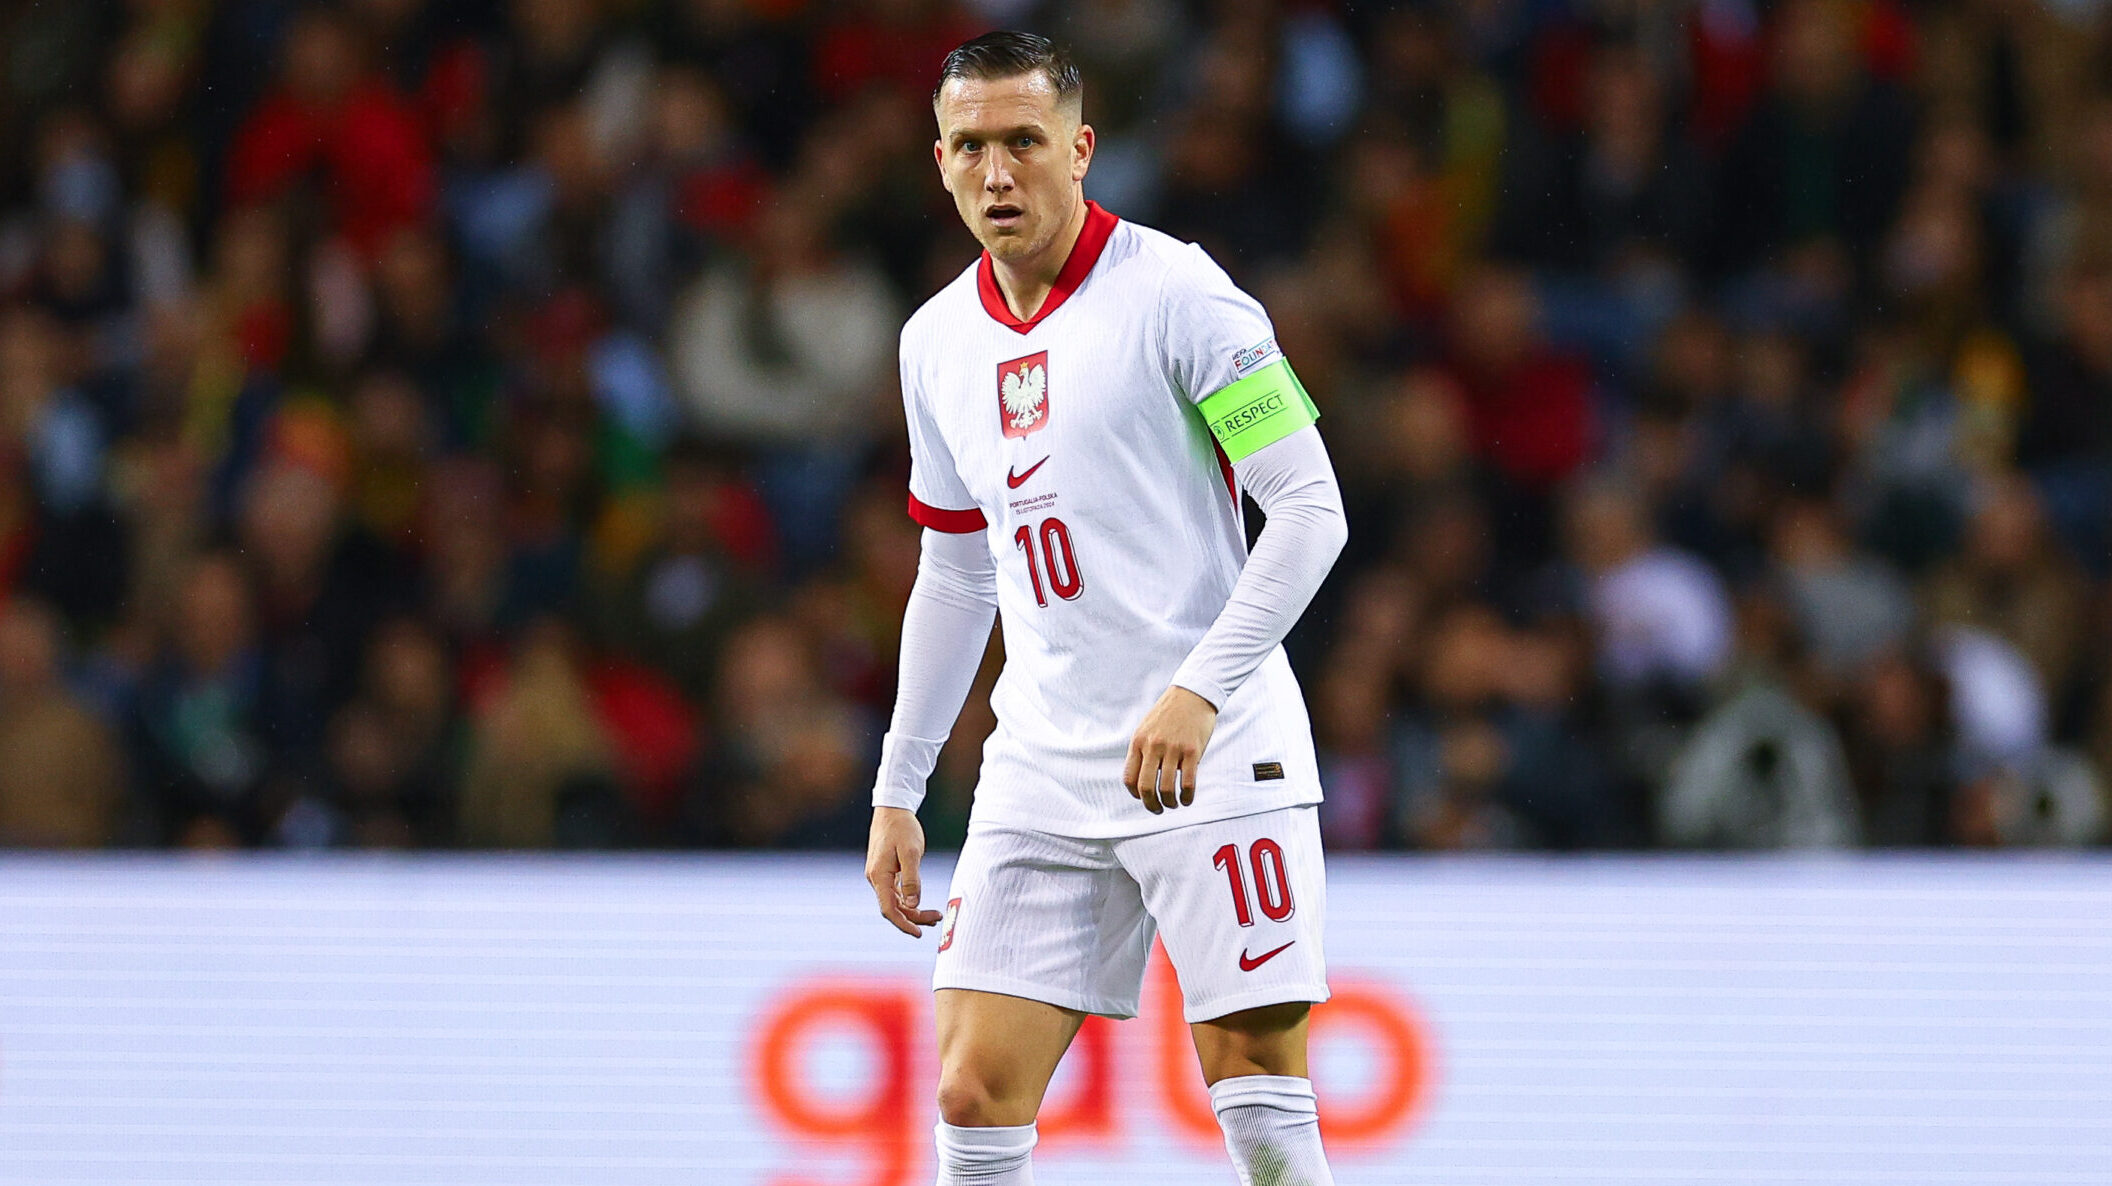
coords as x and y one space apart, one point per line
1012 481
1248 963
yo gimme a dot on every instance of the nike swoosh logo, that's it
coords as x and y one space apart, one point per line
1248 963
1013 480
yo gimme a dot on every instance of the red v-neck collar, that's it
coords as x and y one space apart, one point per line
1092 239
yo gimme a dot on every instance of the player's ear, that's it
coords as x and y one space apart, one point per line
938 157
1082 152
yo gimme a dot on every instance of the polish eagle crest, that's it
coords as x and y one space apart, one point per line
1023 394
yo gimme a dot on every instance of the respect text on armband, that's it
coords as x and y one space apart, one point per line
1247 417
1257 411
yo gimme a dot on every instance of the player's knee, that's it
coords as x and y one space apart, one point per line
970 1097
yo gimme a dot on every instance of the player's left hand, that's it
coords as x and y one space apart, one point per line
1168 746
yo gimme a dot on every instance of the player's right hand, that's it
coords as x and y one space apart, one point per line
893 853
1167 749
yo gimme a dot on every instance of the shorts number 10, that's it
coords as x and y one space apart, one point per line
1272 883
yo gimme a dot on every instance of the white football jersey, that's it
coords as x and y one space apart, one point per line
1074 443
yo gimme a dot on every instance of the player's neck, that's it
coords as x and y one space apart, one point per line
1028 283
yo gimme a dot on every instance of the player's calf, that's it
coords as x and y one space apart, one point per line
1272 1129
999 1156
1255 1063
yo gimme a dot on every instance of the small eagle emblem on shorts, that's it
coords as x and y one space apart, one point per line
1023 394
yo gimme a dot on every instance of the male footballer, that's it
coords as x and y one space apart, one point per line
1086 405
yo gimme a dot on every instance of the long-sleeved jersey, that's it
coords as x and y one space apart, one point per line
1097 452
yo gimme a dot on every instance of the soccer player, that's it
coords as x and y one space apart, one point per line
1085 404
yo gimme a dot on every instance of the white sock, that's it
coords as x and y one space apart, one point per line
986 1156
1272 1127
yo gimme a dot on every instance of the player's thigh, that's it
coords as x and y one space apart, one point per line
1241 905
997 1054
1048 918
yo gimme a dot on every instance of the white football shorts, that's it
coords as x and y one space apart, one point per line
1239 902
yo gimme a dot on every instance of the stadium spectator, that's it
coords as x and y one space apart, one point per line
697 575
789 353
2065 439
1903 752
395 749
791 345
63 784
2012 578
1659 615
1814 176
1761 771
1849 607
333 121
790 753
1530 404
540 771
201 729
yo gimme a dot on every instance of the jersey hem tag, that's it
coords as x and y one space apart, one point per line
1258 411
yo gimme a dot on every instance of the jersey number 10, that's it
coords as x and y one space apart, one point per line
1064 579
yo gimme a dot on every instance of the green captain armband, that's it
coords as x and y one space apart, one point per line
1258 411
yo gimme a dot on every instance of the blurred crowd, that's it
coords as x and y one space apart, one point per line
474 423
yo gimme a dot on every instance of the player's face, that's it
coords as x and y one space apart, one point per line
1012 156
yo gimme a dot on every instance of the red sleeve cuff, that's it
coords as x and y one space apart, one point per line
953 522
